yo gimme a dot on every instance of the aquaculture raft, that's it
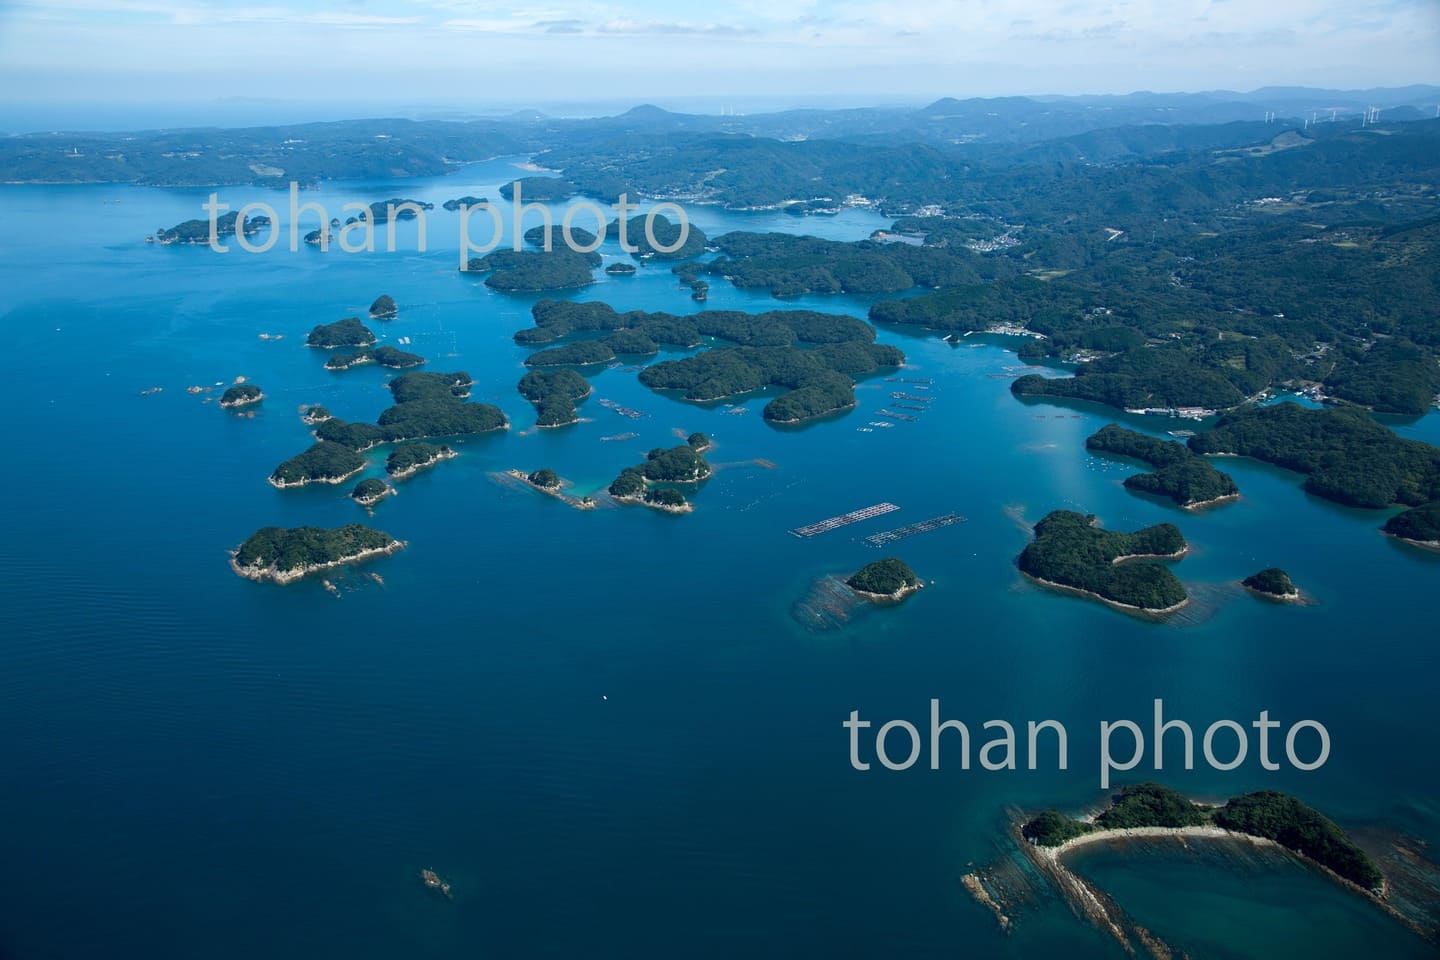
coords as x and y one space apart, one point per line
854 516
924 526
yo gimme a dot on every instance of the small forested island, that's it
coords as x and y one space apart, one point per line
384 308
886 579
699 442
1273 583
387 356
324 462
1181 475
410 458
349 332
285 555
532 271
1348 457
621 269
555 394
1070 550
314 415
1266 814
548 482
538 188
466 201
1420 526
240 395
369 492
198 231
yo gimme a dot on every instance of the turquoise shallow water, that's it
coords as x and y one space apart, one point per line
606 729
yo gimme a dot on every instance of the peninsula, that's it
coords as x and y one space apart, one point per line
1182 476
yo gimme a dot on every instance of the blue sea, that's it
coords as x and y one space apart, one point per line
608 730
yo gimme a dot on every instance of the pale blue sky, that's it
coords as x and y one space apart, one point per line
511 51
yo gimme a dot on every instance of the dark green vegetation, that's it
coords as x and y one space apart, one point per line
370 491
555 394
682 464
1268 814
323 462
581 353
558 319
628 485
698 442
1272 582
315 415
240 395
1297 827
349 332
553 237
465 201
621 269
545 478
666 497
285 554
820 380
538 188
666 235
379 211
1421 525
1181 475
529 271
427 405
788 265
887 577
384 308
1070 550
1150 805
410 457
1349 458
390 357
1051 828
198 231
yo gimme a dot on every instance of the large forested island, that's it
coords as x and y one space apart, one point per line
889 578
1266 814
1348 457
387 356
1070 550
285 555
198 231
426 405
1181 475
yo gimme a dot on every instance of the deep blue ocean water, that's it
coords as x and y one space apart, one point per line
606 729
